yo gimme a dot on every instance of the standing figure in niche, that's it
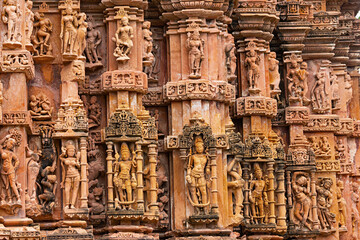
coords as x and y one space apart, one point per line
123 40
124 177
80 43
237 183
274 71
230 58
94 112
10 15
8 166
196 53
29 21
33 168
148 57
43 28
69 24
258 196
319 92
303 205
303 77
70 161
197 169
93 40
335 95
324 202
355 215
341 204
252 61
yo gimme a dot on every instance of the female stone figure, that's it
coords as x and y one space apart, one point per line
123 41
258 196
341 204
325 200
252 61
302 206
71 164
29 21
80 43
69 24
196 53
319 92
148 57
10 15
237 183
42 34
124 177
9 165
274 71
355 216
197 168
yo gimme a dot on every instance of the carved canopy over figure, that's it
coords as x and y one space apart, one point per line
10 15
195 46
324 203
124 169
70 161
41 37
319 93
196 176
252 62
302 201
93 40
123 40
8 165
236 183
258 196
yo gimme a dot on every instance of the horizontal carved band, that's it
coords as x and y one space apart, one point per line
19 61
257 105
329 123
16 118
154 97
327 166
124 80
297 115
200 89
346 127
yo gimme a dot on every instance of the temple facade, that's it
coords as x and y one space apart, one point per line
179 119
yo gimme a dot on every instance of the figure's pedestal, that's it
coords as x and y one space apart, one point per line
130 232
18 228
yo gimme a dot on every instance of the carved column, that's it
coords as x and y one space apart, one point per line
109 172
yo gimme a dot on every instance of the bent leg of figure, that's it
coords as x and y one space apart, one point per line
75 191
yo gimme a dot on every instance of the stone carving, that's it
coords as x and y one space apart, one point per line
274 74
348 87
230 58
195 45
93 111
41 38
297 80
320 94
197 173
69 23
341 205
320 146
17 61
70 162
148 57
33 169
163 193
153 71
335 94
123 40
236 184
93 40
10 188
29 22
124 177
324 202
10 16
39 107
258 197
81 33
302 202
355 215
252 61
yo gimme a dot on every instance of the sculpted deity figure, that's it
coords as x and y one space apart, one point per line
94 112
195 45
303 205
29 21
335 95
319 93
69 24
236 183
348 87
10 16
148 57
197 169
297 78
252 61
80 43
48 183
33 168
70 161
9 165
274 72
341 204
40 106
230 58
258 196
324 202
93 40
43 29
355 215
124 177
123 40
